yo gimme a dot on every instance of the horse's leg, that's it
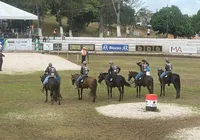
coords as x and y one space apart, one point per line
120 93
177 90
164 90
161 89
46 95
139 91
52 97
111 92
79 94
148 87
108 92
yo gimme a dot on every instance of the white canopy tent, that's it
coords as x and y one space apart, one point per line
10 12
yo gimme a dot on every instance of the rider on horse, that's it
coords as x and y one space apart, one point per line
84 73
113 70
144 65
168 68
51 72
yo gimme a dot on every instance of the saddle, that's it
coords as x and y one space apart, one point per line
167 78
83 79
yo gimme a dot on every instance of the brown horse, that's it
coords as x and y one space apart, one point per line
88 82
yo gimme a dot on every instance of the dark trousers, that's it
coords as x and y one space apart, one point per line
83 58
1 62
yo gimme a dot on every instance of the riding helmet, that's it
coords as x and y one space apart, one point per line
50 64
111 62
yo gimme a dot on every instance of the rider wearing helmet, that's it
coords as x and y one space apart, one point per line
143 69
51 72
113 71
168 68
84 73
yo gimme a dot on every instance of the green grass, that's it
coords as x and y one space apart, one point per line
25 116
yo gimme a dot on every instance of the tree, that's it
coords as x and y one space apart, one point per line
170 20
196 22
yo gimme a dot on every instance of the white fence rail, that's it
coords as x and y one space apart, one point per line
107 45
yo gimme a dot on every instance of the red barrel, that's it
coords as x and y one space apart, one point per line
151 102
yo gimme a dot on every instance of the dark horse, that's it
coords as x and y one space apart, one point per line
54 86
146 81
118 81
171 78
88 82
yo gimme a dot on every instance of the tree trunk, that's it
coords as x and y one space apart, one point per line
59 18
101 28
39 21
70 27
118 20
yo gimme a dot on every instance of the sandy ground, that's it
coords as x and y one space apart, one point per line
30 62
185 134
137 111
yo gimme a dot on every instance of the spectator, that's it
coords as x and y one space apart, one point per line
54 33
148 32
108 33
127 32
83 54
1 60
44 39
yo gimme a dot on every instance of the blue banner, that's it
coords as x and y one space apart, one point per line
1 43
115 47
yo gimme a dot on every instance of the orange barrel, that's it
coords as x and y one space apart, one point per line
151 102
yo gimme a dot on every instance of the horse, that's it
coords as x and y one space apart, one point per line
168 79
146 81
54 86
118 81
88 82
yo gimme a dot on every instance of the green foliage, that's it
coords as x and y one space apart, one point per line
171 19
196 22
127 15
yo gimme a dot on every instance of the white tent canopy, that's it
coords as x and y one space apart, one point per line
13 13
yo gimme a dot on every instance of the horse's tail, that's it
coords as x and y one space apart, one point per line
126 83
94 88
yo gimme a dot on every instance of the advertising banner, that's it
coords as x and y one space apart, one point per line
182 49
48 46
1 43
18 44
115 47
148 48
78 47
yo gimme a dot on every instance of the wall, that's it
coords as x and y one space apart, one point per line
178 46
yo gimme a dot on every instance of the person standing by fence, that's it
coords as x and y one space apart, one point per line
83 54
54 33
1 60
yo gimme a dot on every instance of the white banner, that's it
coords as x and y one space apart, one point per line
48 46
183 49
18 44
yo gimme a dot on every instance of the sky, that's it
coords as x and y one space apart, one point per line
189 7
